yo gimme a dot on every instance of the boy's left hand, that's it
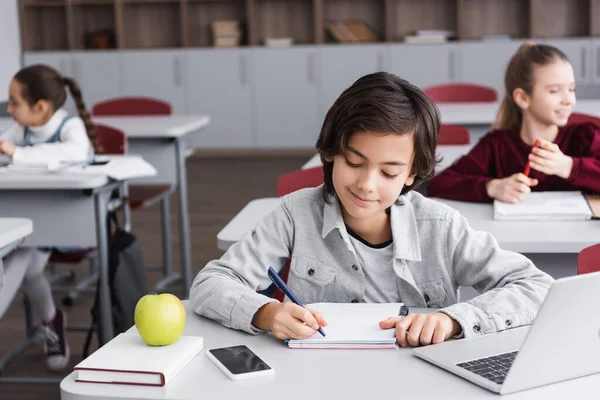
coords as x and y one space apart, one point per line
422 329
7 147
550 160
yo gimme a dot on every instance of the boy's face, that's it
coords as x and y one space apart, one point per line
553 97
370 176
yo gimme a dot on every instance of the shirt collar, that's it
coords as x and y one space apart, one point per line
53 123
404 226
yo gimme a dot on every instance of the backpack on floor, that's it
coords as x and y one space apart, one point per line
126 280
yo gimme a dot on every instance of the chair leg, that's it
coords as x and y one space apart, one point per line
56 275
169 276
87 284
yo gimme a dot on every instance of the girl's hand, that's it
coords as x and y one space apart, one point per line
512 189
422 329
548 158
288 320
7 147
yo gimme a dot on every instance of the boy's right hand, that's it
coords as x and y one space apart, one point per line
512 189
288 320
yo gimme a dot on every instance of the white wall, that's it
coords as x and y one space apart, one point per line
10 44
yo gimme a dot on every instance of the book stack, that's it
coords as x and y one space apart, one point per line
352 326
430 36
226 33
350 32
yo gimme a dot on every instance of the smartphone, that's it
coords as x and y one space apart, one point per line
239 362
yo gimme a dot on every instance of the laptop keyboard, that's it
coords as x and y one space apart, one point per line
493 368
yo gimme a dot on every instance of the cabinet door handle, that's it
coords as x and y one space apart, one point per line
310 67
243 72
451 71
598 62
380 60
583 61
176 71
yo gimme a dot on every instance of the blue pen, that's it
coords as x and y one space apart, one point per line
280 284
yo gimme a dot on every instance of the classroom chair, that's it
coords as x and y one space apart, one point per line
461 93
588 260
289 183
114 141
128 106
303 178
453 135
578 118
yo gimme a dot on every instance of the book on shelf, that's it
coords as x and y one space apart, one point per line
354 31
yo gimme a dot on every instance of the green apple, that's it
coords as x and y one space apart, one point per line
159 319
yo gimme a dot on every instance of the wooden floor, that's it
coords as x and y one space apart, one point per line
218 189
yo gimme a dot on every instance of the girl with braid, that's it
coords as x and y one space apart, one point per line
43 131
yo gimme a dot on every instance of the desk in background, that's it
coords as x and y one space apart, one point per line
161 140
12 233
315 375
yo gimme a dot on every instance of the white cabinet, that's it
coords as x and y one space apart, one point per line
286 97
579 52
341 66
219 83
484 63
97 75
595 61
155 73
426 65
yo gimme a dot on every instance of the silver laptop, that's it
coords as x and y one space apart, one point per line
567 327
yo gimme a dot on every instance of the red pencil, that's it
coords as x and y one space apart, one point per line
527 168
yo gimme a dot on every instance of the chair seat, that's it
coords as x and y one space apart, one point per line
144 195
72 257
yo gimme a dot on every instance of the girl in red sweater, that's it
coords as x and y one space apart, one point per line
540 96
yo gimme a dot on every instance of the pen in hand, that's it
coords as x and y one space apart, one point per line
280 284
527 167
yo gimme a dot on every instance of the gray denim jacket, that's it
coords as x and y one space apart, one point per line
435 252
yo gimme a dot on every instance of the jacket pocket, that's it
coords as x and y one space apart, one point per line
433 293
311 280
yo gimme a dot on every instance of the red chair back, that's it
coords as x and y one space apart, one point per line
461 93
303 178
577 118
589 260
127 106
453 135
112 140
288 183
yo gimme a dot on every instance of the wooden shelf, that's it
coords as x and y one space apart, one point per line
64 24
479 18
200 16
151 25
560 18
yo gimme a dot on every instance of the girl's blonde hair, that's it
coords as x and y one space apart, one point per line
519 74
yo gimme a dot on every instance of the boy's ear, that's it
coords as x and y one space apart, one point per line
328 158
410 180
521 98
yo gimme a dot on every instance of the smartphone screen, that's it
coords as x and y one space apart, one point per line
239 359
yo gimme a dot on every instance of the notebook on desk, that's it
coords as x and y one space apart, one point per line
128 360
555 206
352 326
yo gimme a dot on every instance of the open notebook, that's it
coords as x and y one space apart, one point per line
539 206
352 326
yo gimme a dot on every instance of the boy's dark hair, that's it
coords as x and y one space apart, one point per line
384 103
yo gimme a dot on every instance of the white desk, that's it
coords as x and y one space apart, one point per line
12 232
161 140
448 153
67 209
315 374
